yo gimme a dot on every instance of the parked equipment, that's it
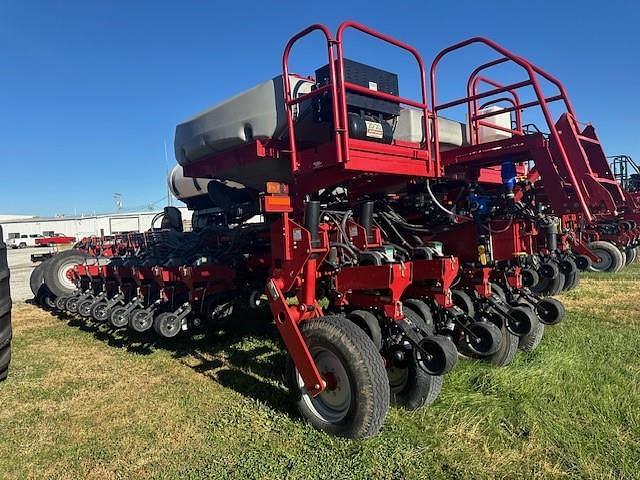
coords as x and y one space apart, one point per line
386 240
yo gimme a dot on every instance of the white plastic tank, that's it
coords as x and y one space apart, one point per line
184 188
500 119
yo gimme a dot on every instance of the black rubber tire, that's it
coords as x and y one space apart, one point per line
571 281
583 263
415 388
548 287
36 279
369 324
41 293
100 312
118 317
499 291
6 332
530 278
462 300
567 266
525 320
167 325
364 368
548 269
490 336
422 309
62 261
530 342
140 321
550 311
631 255
613 257
507 349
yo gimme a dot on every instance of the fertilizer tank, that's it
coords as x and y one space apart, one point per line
191 191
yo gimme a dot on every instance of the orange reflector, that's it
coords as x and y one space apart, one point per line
277 204
275 187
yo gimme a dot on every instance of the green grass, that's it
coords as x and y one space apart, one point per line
83 403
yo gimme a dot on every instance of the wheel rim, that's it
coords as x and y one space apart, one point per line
84 309
606 260
61 302
72 305
119 317
334 402
170 326
100 313
141 321
63 274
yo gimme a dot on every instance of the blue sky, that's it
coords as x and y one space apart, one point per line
90 91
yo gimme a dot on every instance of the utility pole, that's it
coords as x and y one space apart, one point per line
117 197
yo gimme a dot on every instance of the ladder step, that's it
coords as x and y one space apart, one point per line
588 139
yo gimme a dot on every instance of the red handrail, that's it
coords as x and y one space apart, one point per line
385 96
338 87
289 102
532 72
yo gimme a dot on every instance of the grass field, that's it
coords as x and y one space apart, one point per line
84 403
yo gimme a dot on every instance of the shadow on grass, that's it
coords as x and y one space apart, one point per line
242 352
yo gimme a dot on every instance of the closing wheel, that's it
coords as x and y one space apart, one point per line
530 277
118 317
550 311
84 307
611 258
100 312
530 341
356 399
167 325
61 303
485 340
548 269
140 321
411 385
567 266
71 305
583 262
463 301
521 320
440 355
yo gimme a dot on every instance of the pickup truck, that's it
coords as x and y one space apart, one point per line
24 241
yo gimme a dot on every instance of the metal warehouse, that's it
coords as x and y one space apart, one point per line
83 226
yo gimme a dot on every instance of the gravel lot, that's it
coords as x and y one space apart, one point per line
20 267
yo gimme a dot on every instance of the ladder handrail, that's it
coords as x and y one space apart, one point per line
348 86
289 101
532 73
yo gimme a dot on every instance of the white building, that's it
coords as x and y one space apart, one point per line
83 226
